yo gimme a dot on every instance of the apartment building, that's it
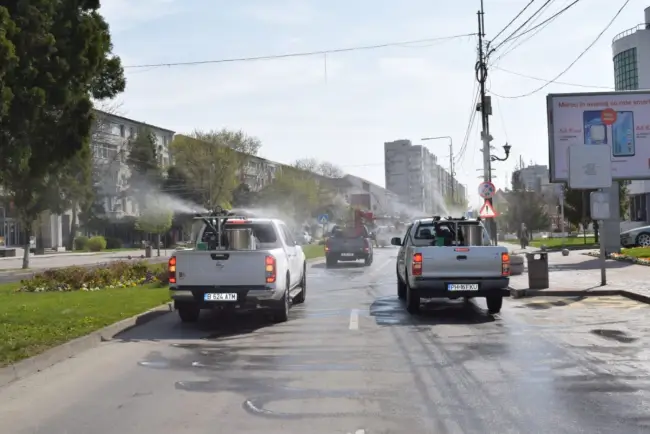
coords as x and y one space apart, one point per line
631 58
413 174
110 139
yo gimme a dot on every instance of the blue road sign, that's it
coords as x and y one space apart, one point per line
323 218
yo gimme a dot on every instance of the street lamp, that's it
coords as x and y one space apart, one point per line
506 149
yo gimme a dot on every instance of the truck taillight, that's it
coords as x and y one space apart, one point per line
416 266
171 267
270 269
366 244
505 264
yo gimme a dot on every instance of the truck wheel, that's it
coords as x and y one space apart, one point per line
189 313
412 300
300 298
282 312
494 303
368 261
330 262
401 288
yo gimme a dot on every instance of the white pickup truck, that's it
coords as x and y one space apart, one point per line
238 262
451 258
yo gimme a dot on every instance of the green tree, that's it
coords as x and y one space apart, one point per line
526 207
293 192
156 219
577 206
209 168
55 56
143 163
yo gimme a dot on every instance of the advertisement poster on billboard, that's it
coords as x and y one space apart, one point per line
620 120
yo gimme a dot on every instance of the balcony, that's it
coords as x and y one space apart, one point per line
629 32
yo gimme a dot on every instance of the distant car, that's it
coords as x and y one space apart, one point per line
348 244
303 238
637 237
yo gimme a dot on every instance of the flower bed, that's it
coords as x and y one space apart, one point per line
635 256
116 274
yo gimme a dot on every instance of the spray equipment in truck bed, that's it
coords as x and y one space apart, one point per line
217 237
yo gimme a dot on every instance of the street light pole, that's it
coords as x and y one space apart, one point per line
451 161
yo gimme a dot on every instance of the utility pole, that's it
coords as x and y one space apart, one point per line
485 108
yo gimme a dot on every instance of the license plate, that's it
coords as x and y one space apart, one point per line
220 297
347 254
462 287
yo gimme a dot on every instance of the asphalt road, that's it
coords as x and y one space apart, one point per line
351 360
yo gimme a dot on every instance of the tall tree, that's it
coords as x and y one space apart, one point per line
210 168
76 187
526 207
322 168
577 205
55 56
293 192
143 162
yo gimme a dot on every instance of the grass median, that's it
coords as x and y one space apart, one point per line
32 322
313 251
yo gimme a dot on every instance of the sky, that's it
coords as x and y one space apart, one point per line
342 107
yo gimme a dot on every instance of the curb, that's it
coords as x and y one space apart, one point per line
35 364
524 293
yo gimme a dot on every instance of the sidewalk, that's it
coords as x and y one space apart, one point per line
20 252
579 275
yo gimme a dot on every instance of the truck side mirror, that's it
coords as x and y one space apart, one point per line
396 241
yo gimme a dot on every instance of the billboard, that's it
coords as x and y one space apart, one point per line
620 120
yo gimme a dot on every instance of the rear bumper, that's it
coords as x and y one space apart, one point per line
437 288
248 297
351 255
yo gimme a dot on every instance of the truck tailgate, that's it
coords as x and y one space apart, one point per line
223 268
461 262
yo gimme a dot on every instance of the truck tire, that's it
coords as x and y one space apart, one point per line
330 262
189 313
281 313
401 288
368 261
300 298
412 300
494 303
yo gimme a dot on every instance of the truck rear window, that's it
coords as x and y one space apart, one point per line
264 233
449 234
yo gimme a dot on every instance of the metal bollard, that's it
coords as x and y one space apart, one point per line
537 270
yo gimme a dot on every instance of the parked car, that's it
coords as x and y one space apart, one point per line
637 237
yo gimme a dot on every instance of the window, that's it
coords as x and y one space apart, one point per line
122 131
626 73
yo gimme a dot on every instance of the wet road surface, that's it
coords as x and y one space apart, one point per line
350 360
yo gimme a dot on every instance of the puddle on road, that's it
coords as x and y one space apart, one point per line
615 335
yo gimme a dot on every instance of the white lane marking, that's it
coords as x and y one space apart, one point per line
354 319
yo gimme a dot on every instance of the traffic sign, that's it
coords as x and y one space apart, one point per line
323 218
486 190
487 211
608 116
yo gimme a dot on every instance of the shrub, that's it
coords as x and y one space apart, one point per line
118 274
97 244
113 243
81 243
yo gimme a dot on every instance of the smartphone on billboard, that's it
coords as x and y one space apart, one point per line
595 130
623 144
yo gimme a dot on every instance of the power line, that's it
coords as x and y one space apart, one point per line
514 44
510 36
543 23
554 79
301 54
546 80
513 20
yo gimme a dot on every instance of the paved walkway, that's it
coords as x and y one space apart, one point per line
578 272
